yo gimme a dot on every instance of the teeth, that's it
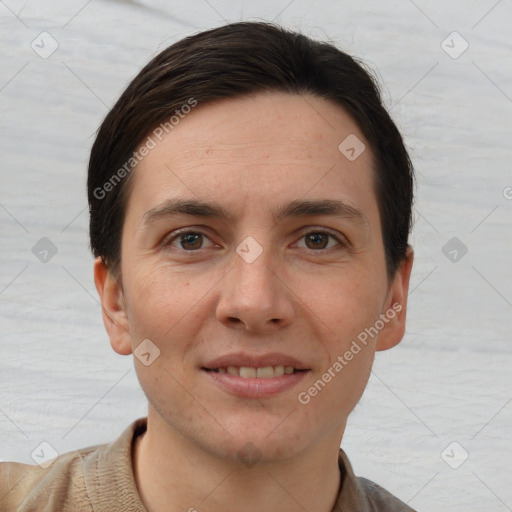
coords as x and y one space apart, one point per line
248 373
279 370
264 372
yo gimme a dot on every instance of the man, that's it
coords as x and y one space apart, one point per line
250 204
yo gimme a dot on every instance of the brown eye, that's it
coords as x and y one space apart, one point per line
317 240
191 241
320 240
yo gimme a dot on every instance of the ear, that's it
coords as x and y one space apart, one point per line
395 307
113 307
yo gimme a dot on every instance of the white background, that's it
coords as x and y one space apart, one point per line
448 381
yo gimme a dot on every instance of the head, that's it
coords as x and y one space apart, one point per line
276 154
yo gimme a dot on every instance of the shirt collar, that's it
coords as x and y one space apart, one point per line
115 466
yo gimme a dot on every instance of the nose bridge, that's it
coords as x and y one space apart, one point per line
253 294
253 274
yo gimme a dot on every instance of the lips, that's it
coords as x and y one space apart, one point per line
241 360
263 372
251 376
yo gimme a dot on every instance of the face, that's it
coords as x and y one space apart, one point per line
252 258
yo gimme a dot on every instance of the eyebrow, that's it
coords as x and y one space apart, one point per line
297 208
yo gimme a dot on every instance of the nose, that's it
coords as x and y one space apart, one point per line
255 296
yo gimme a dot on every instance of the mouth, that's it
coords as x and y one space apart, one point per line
262 372
249 376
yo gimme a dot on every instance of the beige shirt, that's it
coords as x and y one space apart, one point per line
100 479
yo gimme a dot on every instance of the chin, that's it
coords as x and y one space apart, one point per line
249 452
265 439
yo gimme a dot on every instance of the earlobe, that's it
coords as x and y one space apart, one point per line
113 308
396 305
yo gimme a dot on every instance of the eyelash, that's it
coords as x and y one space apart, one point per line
342 244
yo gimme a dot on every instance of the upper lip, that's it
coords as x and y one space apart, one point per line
240 359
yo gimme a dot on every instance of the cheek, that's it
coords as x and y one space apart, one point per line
348 306
167 305
345 305
161 307
157 299
351 380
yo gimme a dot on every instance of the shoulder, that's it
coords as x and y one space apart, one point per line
98 477
381 500
363 495
27 488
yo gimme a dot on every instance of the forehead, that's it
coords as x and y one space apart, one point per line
254 150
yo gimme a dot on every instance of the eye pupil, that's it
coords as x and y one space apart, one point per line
317 239
192 239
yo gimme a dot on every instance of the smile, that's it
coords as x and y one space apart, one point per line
244 381
262 372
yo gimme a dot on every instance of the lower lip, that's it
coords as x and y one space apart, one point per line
254 387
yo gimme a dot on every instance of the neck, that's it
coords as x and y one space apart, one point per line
173 474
